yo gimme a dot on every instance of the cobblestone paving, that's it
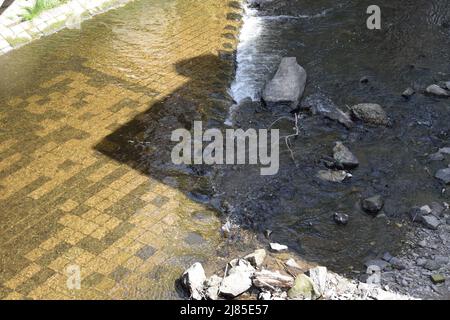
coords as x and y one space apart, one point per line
63 203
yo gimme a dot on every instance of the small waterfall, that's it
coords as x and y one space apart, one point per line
258 54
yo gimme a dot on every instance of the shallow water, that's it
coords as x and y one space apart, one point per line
85 179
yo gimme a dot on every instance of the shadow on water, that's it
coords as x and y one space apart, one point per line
145 142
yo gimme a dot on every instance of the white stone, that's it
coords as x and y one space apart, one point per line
278 247
193 280
212 286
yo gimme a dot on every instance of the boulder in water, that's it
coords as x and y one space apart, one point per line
371 113
287 86
256 258
373 205
333 176
322 105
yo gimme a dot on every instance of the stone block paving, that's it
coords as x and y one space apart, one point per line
64 204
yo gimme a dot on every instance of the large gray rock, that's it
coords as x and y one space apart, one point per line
371 113
193 280
344 156
322 105
444 175
437 91
287 86
373 205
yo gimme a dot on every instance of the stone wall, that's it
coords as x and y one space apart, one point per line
14 32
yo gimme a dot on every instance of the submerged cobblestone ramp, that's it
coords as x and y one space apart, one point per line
64 203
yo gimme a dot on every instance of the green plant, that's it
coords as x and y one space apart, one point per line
39 6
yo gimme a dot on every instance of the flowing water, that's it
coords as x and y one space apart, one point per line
82 107
331 41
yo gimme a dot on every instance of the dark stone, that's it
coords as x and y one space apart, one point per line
408 93
344 156
397 263
341 218
432 265
373 205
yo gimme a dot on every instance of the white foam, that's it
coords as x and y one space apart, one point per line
252 27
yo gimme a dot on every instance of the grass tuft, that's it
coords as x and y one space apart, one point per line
40 6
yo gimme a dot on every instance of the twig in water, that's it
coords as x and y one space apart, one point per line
296 134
